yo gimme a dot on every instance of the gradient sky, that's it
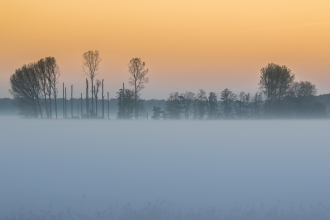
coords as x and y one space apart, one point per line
186 44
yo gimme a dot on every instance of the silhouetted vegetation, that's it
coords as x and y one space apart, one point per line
138 79
34 85
34 89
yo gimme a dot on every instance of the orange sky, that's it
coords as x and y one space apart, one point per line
187 44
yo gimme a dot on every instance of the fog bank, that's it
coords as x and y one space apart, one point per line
91 165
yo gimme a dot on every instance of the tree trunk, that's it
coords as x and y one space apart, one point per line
81 106
71 102
34 106
95 102
55 97
108 105
87 100
135 103
123 113
92 96
38 101
50 106
102 99
63 102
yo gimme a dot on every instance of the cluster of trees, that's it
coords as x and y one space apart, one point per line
201 106
130 103
279 96
286 98
34 86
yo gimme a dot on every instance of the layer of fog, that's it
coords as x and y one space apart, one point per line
93 165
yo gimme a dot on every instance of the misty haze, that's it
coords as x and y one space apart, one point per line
164 170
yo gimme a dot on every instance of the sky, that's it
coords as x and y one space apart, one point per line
186 44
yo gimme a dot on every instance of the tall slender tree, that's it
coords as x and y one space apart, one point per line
91 61
138 79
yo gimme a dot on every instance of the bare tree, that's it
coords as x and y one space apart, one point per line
137 79
91 61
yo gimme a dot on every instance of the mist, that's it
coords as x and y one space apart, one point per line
159 169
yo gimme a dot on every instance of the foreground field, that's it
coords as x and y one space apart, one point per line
136 169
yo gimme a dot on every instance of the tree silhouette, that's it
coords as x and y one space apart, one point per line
228 98
212 106
26 88
275 82
91 61
137 79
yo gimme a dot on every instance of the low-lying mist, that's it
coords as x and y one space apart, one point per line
112 169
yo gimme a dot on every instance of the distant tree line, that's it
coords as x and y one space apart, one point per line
279 97
34 87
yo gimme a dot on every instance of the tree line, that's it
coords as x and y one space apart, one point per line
280 96
35 87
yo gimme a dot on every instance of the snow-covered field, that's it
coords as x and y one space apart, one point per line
164 169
